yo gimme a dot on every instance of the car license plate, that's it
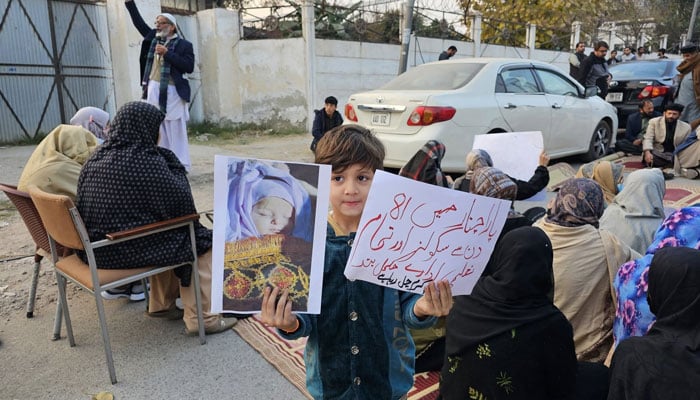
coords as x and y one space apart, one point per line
381 119
614 97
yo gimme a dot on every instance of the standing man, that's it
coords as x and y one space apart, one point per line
627 55
168 58
325 119
594 69
575 59
641 53
689 88
445 55
669 142
661 54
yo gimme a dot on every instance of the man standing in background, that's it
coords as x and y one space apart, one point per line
689 85
445 55
325 119
168 59
575 59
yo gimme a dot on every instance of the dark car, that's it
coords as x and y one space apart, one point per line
635 81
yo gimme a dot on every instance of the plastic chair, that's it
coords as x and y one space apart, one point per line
32 220
65 226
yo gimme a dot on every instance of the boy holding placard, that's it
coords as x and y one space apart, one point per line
359 346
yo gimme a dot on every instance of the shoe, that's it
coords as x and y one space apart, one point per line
133 292
668 175
221 326
170 314
690 173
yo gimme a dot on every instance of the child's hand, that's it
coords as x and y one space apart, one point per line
278 313
436 300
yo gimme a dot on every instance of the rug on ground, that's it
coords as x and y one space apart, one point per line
287 357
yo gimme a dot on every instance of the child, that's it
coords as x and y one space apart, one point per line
359 346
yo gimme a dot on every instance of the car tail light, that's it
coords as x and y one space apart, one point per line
426 115
653 91
350 113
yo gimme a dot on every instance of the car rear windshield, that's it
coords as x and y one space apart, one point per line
440 76
641 69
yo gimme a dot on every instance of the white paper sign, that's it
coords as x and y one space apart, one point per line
412 233
269 230
517 154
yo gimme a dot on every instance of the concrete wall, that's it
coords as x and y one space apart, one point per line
265 81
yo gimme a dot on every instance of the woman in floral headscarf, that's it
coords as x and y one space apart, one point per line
633 317
585 261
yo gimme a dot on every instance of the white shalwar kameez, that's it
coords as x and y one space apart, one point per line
173 130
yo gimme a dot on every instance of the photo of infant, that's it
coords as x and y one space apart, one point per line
269 229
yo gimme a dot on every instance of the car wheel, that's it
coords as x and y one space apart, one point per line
600 142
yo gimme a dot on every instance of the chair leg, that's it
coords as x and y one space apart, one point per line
32 290
64 307
105 337
57 321
198 301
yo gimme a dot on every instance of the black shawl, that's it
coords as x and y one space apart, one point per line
130 181
517 291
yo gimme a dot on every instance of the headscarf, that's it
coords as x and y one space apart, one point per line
578 202
638 210
516 292
633 316
129 182
492 182
476 159
93 119
664 363
252 180
55 164
605 173
424 166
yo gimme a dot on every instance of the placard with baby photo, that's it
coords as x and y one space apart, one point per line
269 230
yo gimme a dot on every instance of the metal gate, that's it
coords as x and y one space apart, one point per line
54 59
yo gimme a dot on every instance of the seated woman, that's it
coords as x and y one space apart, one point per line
55 164
638 210
424 166
268 237
507 340
608 175
479 158
633 316
129 181
94 120
665 363
585 261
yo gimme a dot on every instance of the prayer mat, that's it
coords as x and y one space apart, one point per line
558 173
288 357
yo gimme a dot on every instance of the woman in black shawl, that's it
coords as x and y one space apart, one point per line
664 364
507 340
129 181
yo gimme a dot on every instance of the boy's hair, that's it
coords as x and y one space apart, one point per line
346 145
331 100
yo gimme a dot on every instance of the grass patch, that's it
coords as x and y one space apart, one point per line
211 133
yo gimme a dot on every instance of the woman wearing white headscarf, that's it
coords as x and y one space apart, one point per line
638 210
94 120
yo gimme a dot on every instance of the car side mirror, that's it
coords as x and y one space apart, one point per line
590 91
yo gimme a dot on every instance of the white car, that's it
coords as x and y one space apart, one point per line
451 101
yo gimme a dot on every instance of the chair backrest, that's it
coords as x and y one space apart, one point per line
55 211
29 215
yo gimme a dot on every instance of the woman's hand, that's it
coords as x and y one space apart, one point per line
276 312
544 158
436 300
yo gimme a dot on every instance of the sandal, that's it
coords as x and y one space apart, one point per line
690 173
221 325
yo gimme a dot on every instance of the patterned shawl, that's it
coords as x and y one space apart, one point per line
578 202
164 70
129 182
424 166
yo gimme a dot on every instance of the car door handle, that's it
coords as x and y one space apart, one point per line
555 105
509 106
